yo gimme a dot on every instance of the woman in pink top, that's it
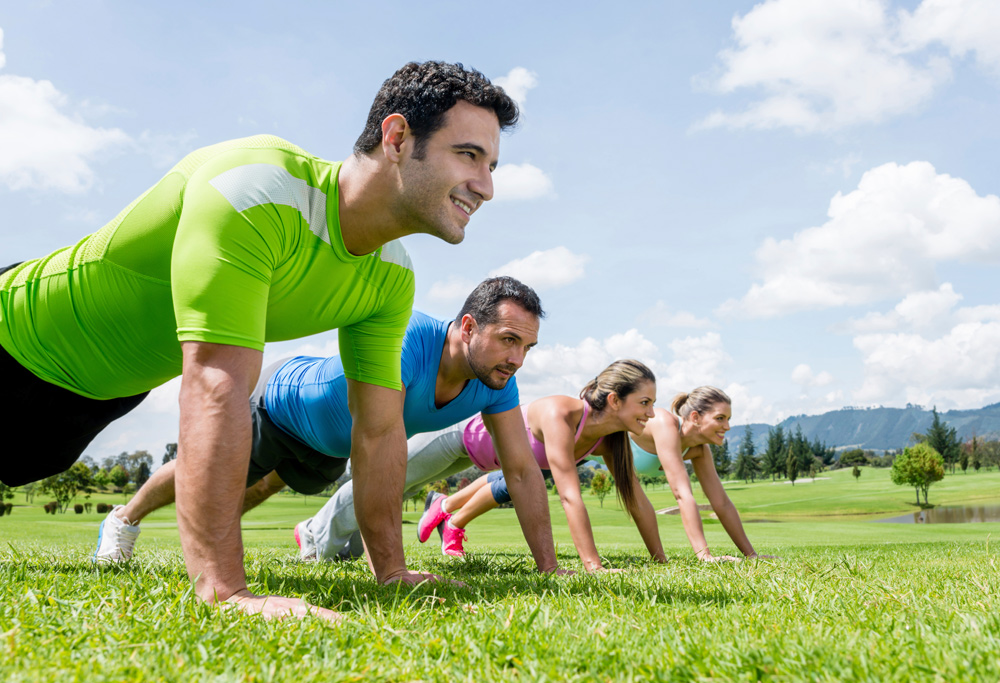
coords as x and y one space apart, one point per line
695 421
564 430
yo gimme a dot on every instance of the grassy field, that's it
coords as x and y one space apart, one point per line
847 599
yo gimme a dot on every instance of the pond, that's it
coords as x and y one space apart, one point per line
952 514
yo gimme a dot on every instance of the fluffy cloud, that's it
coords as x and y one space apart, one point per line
803 375
962 26
517 83
661 315
546 269
454 288
44 145
825 65
881 240
515 182
927 351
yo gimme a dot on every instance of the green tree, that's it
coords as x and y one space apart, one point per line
773 461
856 473
66 485
721 457
102 479
119 476
170 453
853 457
973 447
747 466
601 485
944 439
919 466
792 465
6 493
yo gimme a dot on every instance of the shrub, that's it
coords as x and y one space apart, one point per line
3 509
78 508
9 507
102 508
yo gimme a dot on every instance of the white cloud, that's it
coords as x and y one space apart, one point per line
919 310
453 288
44 145
960 369
821 65
662 315
881 240
517 83
927 351
804 376
514 182
962 26
561 369
551 268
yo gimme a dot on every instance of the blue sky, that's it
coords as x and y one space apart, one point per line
794 200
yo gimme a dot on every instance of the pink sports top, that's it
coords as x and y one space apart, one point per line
479 443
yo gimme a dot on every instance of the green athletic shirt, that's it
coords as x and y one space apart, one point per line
238 244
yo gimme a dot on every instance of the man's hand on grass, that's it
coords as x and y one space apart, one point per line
279 607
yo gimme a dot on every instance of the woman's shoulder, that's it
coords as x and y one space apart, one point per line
556 408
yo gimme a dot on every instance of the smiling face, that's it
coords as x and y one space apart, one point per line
713 424
496 351
450 177
637 408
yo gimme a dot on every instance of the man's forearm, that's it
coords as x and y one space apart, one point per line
378 465
530 497
213 455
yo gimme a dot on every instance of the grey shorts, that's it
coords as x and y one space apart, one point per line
304 469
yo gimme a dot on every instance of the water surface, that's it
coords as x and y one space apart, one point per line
952 514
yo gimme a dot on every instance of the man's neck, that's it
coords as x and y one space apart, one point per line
366 215
454 371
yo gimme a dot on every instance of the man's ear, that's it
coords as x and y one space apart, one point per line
468 326
396 134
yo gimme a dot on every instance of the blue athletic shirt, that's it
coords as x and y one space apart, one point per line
307 396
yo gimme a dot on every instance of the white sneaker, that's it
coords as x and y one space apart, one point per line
116 538
306 542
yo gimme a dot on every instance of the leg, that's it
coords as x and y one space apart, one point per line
157 492
480 502
429 457
458 499
262 490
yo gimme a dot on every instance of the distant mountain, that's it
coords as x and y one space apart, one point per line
877 428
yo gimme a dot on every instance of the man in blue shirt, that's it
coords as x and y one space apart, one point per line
451 370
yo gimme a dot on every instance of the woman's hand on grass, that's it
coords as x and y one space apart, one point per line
279 607
414 578
709 557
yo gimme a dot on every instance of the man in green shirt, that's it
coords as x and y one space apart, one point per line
241 243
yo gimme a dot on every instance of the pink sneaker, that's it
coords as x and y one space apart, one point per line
451 540
432 517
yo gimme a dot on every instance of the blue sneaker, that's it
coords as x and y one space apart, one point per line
115 538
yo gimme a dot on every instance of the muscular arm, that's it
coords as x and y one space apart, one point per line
526 485
708 477
210 476
212 461
378 469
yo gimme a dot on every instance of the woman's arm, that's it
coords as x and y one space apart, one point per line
711 485
662 438
552 420
644 516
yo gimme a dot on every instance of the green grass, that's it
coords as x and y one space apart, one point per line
847 600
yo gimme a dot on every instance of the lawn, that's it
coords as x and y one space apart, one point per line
847 599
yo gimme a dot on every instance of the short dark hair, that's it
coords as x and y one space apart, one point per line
486 298
423 93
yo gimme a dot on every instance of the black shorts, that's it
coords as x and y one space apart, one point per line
46 427
304 469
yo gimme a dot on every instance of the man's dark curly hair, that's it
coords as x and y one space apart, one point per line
423 93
